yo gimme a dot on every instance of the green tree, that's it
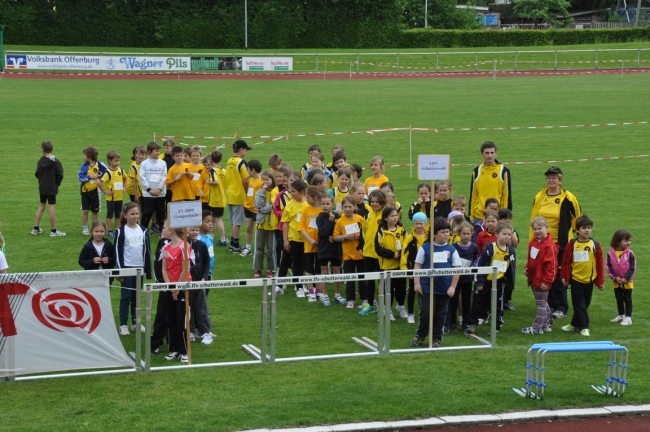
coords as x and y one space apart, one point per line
443 14
541 11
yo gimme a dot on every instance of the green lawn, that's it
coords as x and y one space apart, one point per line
118 115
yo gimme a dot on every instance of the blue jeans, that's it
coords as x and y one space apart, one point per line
128 299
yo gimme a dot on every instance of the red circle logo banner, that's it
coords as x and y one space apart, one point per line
59 310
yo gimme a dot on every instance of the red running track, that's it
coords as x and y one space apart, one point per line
305 75
601 424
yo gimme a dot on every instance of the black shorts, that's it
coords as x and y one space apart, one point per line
114 209
50 199
335 262
249 214
90 201
205 206
217 212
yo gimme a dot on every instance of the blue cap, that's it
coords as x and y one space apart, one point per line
421 216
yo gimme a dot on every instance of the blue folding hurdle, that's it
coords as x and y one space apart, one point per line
615 382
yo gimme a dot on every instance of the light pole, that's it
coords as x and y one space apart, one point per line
426 12
2 48
246 24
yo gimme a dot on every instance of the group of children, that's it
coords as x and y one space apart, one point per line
321 219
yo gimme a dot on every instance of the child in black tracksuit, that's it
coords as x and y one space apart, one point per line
98 252
501 255
159 332
201 323
329 251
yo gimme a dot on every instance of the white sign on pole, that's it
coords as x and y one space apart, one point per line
433 167
184 214
267 63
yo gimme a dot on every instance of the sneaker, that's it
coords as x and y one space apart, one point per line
183 358
155 229
155 351
192 337
530 330
324 298
558 314
363 304
481 321
37 231
445 330
509 306
547 329
85 231
257 275
270 274
367 310
206 339
246 252
300 293
402 311
279 290
350 304
627 321
57 233
417 341
470 330
172 356
618 319
569 328
222 243
311 297
392 317
111 234
435 344
234 249
410 319
340 300
124 330
584 332
142 329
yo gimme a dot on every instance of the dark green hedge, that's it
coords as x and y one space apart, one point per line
274 24
421 38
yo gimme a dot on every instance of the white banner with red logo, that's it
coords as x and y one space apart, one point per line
57 321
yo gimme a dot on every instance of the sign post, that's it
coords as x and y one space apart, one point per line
185 214
432 167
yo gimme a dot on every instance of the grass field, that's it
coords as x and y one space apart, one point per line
118 115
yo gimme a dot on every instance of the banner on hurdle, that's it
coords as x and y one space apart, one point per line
63 321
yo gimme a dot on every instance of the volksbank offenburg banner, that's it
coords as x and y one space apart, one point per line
96 62
267 63
55 322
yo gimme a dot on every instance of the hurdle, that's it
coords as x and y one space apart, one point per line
615 382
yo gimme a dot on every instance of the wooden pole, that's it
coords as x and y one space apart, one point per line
183 278
431 262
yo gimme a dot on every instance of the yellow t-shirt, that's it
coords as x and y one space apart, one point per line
270 220
183 189
549 209
115 181
308 224
372 183
292 215
338 197
501 259
91 184
198 180
254 184
346 226
235 172
583 267
217 193
129 184
370 228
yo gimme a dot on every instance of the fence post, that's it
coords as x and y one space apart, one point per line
273 321
264 323
596 59
638 58
357 63
555 60
387 312
148 329
476 63
397 62
381 314
138 321
316 63
437 55
516 55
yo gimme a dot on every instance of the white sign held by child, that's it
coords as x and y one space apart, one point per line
433 167
184 214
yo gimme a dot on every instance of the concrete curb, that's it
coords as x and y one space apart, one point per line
467 420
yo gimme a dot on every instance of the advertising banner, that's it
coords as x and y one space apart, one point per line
216 63
267 63
96 62
54 324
